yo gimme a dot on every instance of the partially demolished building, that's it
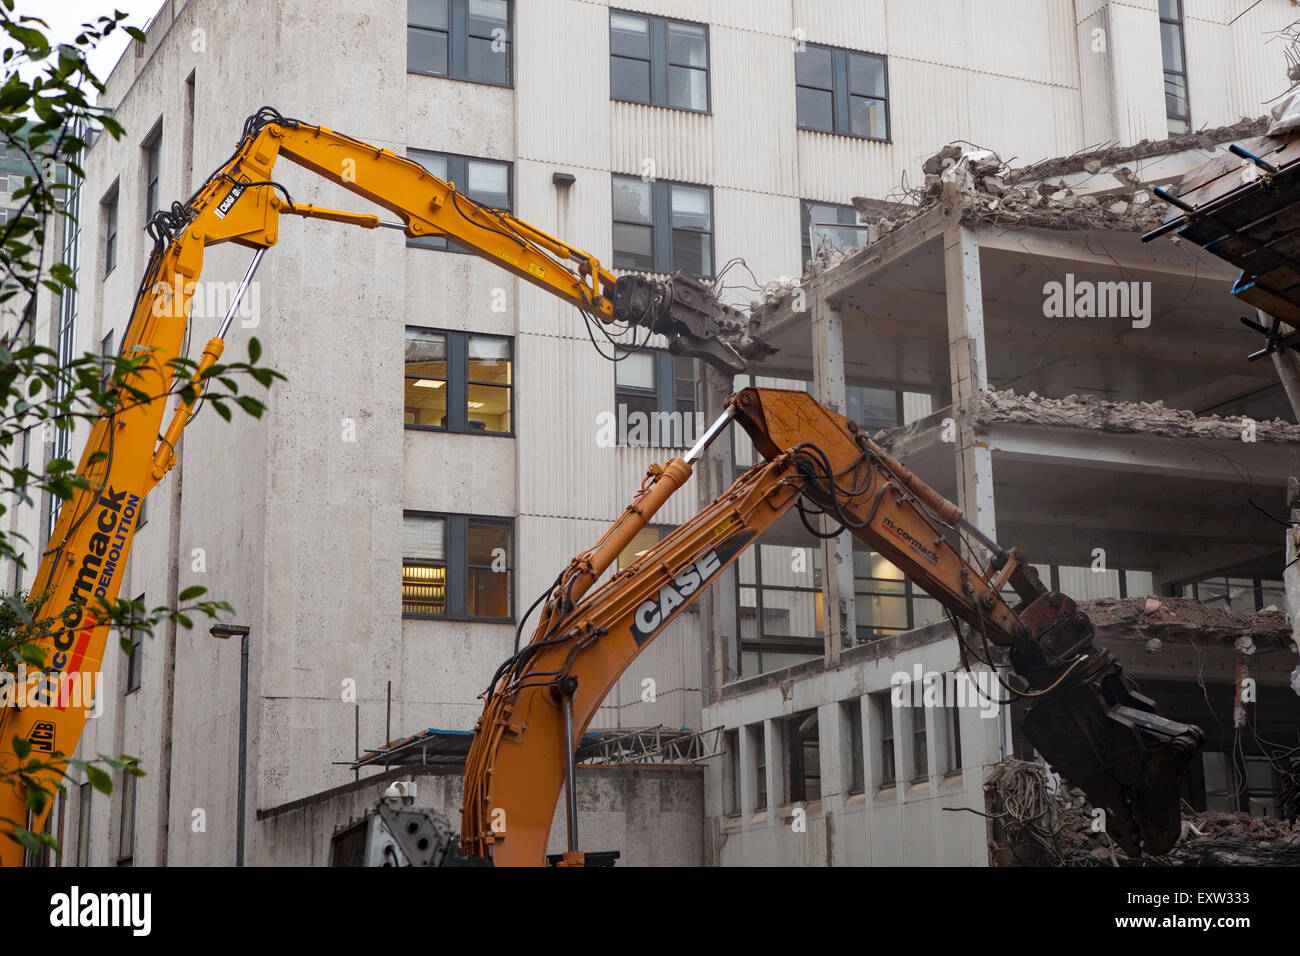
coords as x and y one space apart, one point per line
1082 396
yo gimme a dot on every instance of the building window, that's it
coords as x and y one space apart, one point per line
1240 594
920 759
108 207
840 91
780 606
1174 51
135 659
662 226
803 757
106 354
126 835
658 62
654 399
83 824
883 711
152 171
459 39
857 762
457 567
459 382
645 539
828 226
486 181
951 738
758 737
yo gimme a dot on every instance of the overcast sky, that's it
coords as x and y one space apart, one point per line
65 18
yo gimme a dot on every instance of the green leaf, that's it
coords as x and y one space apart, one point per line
189 594
98 779
254 349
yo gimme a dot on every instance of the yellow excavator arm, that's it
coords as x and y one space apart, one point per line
1100 735
127 453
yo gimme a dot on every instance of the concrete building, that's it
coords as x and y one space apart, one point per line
356 525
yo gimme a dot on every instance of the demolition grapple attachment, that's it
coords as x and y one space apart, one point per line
1097 732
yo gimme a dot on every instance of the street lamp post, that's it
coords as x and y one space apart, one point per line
224 631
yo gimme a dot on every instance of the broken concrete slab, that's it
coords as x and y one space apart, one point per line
1180 620
1144 418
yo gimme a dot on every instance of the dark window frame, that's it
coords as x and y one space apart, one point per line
458 383
457 565
458 173
126 821
884 713
84 807
152 147
1177 24
659 62
799 742
664 395
841 114
458 38
806 220
135 659
110 206
661 226
779 643
851 714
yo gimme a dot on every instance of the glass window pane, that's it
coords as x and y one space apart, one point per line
426 52
688 89
812 67
632 200
1170 10
489 593
687 45
881 611
488 15
489 541
487 61
489 183
790 613
1171 45
426 402
866 75
435 163
815 110
424 538
745 570
629 35
629 79
691 252
867 117
1175 96
488 408
426 353
424 589
427 13
633 247
691 208
641 542
872 408
489 360
636 370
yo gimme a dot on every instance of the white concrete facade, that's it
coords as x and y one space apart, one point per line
300 529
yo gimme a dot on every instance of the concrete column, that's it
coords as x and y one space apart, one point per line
969 369
829 388
747 783
775 769
1287 363
719 616
1291 576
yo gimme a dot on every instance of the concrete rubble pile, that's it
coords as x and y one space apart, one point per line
1167 620
1144 418
988 190
1036 822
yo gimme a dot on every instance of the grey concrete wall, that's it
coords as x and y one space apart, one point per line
652 815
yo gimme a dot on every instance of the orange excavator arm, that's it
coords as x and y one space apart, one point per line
1101 736
127 453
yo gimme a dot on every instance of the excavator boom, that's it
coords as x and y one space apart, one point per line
1084 719
128 451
